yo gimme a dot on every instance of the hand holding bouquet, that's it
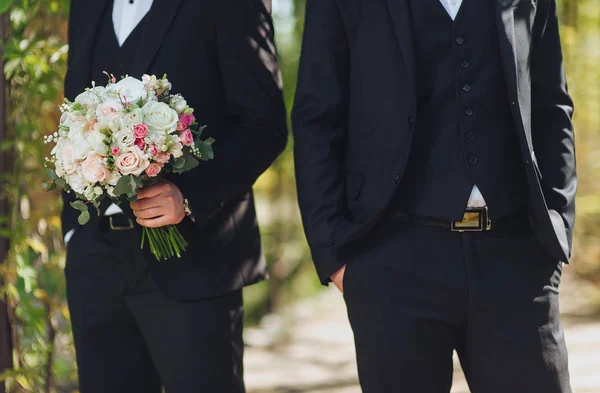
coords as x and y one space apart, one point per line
116 139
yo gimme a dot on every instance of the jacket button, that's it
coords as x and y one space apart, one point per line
469 112
410 121
466 88
460 40
465 64
471 136
473 160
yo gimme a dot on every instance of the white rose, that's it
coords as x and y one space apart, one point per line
65 157
178 103
77 183
91 98
109 111
94 168
124 138
80 148
96 142
160 118
133 162
130 89
134 117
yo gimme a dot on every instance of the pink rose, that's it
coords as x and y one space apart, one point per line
163 158
140 143
140 130
154 150
133 162
109 111
153 170
187 120
94 169
181 126
116 151
187 138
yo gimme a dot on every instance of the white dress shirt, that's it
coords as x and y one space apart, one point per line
127 14
452 7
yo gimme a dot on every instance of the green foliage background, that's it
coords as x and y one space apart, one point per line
35 59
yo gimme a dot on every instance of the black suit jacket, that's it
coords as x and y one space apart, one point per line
221 57
356 106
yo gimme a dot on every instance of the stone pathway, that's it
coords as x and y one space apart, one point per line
310 349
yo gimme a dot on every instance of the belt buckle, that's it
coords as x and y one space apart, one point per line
475 219
118 227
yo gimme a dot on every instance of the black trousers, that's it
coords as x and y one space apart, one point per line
130 338
415 294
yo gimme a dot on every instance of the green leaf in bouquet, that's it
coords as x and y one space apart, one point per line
123 186
84 217
205 150
49 186
179 163
96 204
79 205
51 174
60 182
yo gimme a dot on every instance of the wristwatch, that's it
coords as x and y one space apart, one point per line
186 208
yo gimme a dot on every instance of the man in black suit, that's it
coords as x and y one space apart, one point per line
140 324
436 175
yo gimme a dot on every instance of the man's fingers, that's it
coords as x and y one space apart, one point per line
153 222
338 279
149 213
144 204
152 191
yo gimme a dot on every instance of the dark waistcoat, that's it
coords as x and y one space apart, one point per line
107 56
464 130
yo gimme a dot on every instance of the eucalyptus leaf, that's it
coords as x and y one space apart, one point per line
179 163
52 187
62 183
79 205
206 150
84 217
123 185
50 173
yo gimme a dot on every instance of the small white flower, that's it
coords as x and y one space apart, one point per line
178 103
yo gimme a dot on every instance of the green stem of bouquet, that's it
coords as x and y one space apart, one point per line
165 242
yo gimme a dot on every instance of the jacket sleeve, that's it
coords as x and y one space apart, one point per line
256 113
320 121
552 111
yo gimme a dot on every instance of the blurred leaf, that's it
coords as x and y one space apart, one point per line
4 5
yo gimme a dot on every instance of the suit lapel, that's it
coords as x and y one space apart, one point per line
508 51
81 65
400 15
160 19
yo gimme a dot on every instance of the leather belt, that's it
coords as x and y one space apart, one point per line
117 222
474 220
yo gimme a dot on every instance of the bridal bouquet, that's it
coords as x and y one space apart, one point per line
116 139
